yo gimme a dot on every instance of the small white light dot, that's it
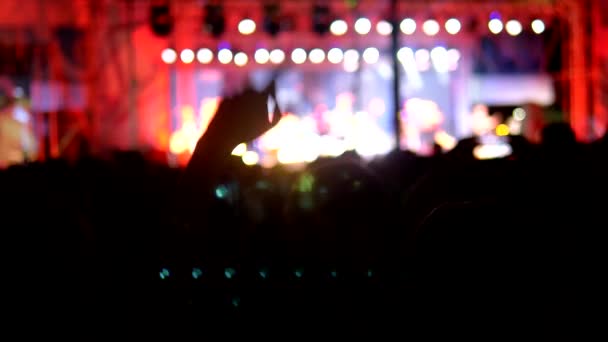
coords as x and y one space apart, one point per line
363 26
538 26
316 56
187 56
371 55
431 27
408 26
241 59
513 27
168 56
338 27
335 55
246 26
204 56
495 26
261 56
384 28
277 56
224 56
405 54
453 26
298 56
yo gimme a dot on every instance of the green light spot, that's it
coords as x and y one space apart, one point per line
298 273
196 273
306 183
370 273
164 273
229 273
263 273
334 274
236 301
221 192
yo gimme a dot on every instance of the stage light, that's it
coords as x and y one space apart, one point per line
495 25
204 56
422 57
246 26
224 56
241 59
169 56
187 56
338 27
408 26
351 60
371 55
513 27
384 28
335 55
298 56
261 56
439 57
405 55
538 26
277 56
316 56
453 59
250 158
161 21
321 19
519 114
214 21
363 26
453 26
239 150
431 27
272 19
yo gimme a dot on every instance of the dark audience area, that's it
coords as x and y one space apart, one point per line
435 245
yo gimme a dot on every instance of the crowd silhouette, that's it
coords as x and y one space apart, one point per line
425 245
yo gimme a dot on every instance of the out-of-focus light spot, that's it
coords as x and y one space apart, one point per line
351 60
405 54
453 26
241 59
538 26
519 114
502 130
298 56
277 56
431 27
371 55
250 158
263 273
164 273
316 56
221 191
338 27
334 274
229 272
224 56
187 56
168 56
204 56
513 27
196 273
335 55
495 26
246 26
422 57
485 152
306 183
370 273
236 301
261 56
239 150
298 273
384 28
408 26
363 26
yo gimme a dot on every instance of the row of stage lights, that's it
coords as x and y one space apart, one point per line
442 58
408 26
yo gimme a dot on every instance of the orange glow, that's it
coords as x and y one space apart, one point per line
184 139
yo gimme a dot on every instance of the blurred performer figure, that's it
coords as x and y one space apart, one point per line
17 140
423 120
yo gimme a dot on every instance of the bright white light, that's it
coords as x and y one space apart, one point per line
408 26
298 56
187 56
453 57
335 55
495 26
316 56
168 56
338 27
405 54
241 59
224 56
277 56
261 56
363 26
246 26
371 55
239 150
204 56
519 114
422 57
453 26
351 55
439 56
250 158
538 26
513 27
384 28
431 27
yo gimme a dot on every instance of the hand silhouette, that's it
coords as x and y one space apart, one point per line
242 118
